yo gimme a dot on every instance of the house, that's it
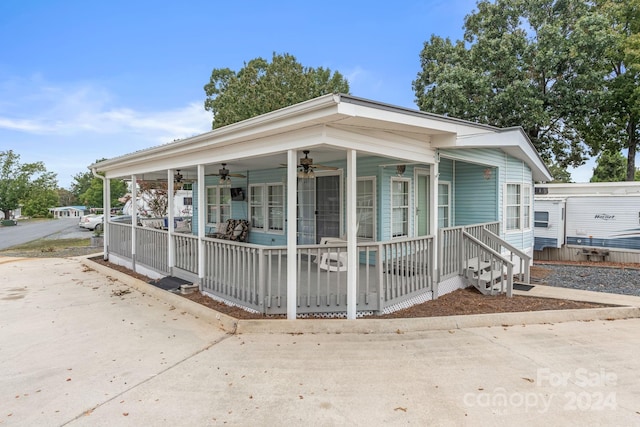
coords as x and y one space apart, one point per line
354 207
587 221
68 211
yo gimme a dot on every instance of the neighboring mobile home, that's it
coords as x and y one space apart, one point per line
339 206
591 221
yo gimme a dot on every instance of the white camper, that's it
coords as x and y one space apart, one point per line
577 222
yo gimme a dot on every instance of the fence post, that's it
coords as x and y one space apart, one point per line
381 296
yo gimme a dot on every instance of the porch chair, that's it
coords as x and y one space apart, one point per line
333 260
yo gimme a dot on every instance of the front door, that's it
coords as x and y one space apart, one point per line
422 203
319 208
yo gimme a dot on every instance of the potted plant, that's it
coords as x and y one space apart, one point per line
97 239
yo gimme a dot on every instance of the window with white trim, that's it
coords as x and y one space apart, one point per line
366 208
518 207
256 206
266 204
218 204
399 207
444 203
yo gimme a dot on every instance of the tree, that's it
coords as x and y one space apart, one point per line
155 196
559 173
81 183
610 167
260 87
66 197
92 197
19 182
521 63
614 124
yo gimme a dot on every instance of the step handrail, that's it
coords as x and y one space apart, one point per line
524 258
497 255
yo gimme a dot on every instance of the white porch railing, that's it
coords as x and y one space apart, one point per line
152 248
450 254
233 271
120 239
256 276
186 252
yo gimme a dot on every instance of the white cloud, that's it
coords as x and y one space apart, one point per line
47 110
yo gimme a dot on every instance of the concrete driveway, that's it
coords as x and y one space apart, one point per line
81 348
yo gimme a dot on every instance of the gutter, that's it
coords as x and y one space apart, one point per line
107 215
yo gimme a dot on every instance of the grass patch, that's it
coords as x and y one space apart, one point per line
49 245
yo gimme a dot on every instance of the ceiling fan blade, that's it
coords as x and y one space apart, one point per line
329 168
237 175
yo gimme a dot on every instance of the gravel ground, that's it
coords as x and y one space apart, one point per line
616 280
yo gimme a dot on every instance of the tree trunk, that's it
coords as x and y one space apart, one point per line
6 213
631 156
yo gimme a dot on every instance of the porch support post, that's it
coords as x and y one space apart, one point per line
106 202
134 218
171 260
202 224
352 235
292 229
433 226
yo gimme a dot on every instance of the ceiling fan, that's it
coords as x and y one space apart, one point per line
225 174
306 166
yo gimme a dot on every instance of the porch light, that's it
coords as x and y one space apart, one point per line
225 180
400 170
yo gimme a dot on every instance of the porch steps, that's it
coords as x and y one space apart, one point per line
484 277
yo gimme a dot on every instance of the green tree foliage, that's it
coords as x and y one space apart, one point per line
610 167
92 197
66 197
559 173
614 122
521 63
39 201
22 182
262 86
81 183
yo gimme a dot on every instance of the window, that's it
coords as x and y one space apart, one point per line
187 186
366 208
266 204
399 207
256 206
541 219
444 197
187 201
218 204
275 207
518 205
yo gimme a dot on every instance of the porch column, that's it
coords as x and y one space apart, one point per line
352 235
106 202
171 261
134 219
433 225
292 229
202 223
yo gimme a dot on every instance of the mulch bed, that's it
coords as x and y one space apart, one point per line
459 302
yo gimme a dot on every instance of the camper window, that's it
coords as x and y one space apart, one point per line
541 219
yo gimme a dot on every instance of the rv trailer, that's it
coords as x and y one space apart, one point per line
580 222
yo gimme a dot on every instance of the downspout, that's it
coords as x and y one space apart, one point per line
107 213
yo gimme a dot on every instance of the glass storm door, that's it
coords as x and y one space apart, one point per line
422 204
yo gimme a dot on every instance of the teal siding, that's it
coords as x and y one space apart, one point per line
475 196
478 200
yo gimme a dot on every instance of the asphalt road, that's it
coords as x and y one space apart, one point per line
24 232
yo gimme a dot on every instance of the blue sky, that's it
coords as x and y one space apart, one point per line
82 80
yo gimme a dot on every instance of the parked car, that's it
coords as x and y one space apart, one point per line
91 222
